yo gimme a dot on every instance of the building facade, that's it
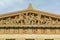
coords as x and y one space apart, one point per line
29 24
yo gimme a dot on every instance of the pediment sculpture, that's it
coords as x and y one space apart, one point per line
29 19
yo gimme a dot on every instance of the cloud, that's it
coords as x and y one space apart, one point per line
6 3
10 5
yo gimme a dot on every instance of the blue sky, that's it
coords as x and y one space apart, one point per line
52 6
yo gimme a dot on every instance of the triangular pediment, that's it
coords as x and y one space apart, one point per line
29 17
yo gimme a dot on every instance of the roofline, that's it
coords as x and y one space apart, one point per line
30 8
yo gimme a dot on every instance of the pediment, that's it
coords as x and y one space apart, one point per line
29 17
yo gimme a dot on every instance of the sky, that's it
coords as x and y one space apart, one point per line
51 6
